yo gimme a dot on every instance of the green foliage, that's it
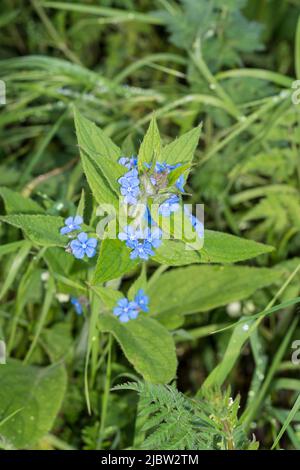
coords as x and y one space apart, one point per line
201 288
150 148
173 421
113 261
40 229
30 400
146 344
178 69
15 203
99 160
218 248
221 27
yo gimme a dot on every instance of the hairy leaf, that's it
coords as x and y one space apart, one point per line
146 344
33 396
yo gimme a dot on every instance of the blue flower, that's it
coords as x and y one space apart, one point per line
130 235
71 224
161 167
170 205
153 236
83 245
142 300
142 250
77 305
180 183
130 186
165 167
126 310
128 162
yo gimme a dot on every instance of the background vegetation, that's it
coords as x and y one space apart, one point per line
230 64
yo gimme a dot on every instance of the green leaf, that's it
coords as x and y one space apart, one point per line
99 186
218 248
40 229
58 340
182 149
237 340
224 248
35 394
58 260
146 344
108 296
81 204
151 145
201 288
11 247
287 421
177 172
99 156
113 261
15 203
14 268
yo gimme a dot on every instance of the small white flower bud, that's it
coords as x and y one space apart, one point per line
234 309
62 298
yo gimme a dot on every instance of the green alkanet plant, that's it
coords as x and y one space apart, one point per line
152 177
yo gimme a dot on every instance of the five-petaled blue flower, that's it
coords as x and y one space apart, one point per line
142 250
71 224
83 245
130 186
169 205
153 236
141 242
77 305
130 235
142 300
126 310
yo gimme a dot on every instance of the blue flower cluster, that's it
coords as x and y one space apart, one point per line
128 310
82 245
153 182
158 178
141 242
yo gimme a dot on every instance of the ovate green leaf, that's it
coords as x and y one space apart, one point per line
182 149
146 344
218 248
15 203
113 261
201 288
40 229
151 145
99 156
35 395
